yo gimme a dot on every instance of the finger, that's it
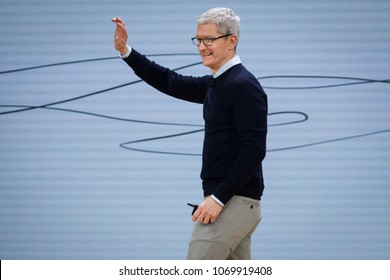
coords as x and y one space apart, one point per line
204 218
120 25
120 28
195 215
199 216
118 20
120 33
200 219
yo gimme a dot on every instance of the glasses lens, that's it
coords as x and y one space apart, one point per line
195 41
207 42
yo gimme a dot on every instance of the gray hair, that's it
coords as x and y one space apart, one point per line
226 20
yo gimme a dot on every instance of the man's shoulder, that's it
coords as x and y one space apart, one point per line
240 75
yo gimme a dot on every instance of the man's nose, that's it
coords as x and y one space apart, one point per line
202 46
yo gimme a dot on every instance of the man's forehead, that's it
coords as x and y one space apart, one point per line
207 29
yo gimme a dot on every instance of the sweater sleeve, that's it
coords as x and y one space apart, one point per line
192 89
250 118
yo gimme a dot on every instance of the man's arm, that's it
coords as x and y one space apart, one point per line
192 89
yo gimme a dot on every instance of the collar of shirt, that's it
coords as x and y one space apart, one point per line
234 61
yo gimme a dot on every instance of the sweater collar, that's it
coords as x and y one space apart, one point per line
234 61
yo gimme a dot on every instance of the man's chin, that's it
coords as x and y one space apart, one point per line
206 63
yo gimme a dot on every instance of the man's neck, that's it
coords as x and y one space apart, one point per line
230 63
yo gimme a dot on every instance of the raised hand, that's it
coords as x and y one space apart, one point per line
120 36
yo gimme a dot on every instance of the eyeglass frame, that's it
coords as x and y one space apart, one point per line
197 41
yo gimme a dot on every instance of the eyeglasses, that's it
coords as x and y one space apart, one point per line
207 41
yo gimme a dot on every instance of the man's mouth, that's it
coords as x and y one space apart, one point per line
206 54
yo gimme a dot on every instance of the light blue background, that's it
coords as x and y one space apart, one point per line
68 190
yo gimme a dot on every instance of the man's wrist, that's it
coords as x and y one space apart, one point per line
126 53
217 200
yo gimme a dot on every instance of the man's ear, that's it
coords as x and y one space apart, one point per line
233 40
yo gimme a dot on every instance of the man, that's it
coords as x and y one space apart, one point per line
235 114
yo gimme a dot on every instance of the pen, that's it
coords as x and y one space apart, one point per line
194 206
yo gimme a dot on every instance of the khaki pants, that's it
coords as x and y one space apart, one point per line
229 237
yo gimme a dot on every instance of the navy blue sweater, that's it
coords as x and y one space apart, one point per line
235 115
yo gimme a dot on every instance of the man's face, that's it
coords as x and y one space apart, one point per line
219 52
